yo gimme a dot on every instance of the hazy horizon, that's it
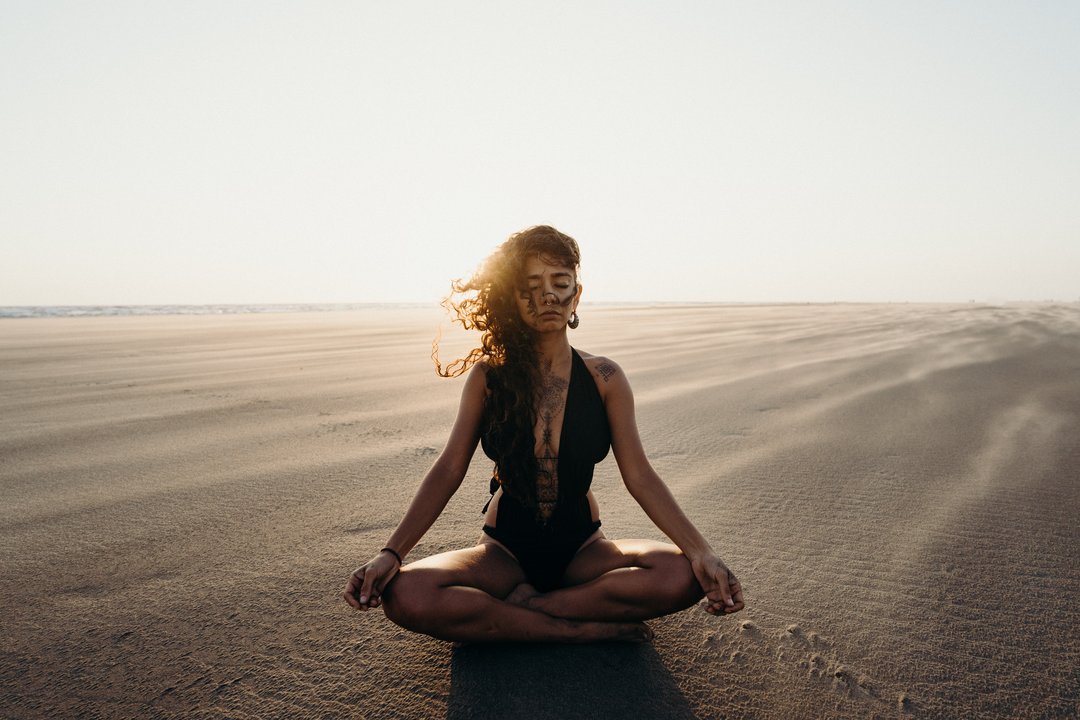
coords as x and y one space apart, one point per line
195 154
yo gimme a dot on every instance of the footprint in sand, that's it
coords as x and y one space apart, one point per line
805 652
814 654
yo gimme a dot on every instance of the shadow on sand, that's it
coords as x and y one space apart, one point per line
604 680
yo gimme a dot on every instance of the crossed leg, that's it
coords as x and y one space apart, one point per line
459 596
619 580
480 594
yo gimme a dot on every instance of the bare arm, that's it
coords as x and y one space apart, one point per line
654 497
446 474
367 582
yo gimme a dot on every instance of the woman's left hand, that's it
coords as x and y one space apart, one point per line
723 592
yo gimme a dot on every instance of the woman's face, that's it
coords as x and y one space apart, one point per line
548 296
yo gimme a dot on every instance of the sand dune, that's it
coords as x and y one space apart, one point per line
897 486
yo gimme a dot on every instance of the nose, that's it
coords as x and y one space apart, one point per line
546 294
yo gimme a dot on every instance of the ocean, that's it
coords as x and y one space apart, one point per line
37 311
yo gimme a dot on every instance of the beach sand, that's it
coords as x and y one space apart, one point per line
897 486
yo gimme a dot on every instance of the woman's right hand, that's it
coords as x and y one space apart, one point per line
366 584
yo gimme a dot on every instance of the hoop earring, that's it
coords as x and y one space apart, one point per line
574 320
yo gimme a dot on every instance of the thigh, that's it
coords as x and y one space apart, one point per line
603 556
485 566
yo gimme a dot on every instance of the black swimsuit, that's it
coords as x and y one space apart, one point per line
545 550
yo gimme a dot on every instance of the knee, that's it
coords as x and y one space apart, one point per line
679 585
406 600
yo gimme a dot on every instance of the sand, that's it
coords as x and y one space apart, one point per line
897 486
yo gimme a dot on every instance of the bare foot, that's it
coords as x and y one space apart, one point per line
521 595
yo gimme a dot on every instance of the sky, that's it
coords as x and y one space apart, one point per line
324 152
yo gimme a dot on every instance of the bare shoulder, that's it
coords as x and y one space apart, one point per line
604 370
476 381
480 367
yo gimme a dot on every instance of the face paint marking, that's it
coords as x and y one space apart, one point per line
562 296
547 292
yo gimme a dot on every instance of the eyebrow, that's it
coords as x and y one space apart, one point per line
555 274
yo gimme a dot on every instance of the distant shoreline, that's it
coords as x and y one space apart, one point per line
40 311
70 311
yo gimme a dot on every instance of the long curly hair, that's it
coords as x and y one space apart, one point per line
487 302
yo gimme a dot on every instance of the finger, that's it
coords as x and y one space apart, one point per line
355 579
714 607
737 594
725 589
717 602
721 609
367 587
351 588
348 596
721 594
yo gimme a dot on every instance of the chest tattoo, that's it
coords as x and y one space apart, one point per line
552 402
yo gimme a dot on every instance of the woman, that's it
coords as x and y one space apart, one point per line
546 414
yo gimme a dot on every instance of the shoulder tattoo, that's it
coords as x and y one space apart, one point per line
606 370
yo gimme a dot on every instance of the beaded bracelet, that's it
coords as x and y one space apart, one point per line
393 552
